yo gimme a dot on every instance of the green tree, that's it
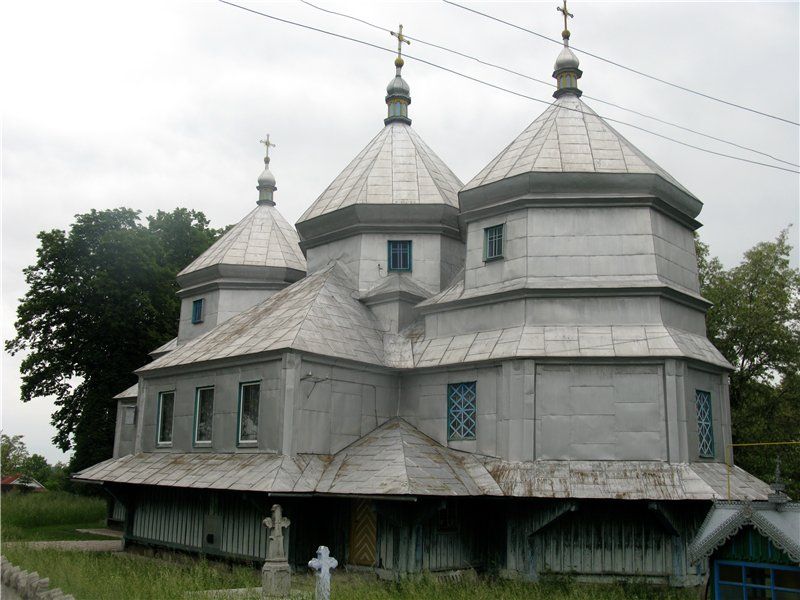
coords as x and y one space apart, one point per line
36 467
13 453
100 297
755 323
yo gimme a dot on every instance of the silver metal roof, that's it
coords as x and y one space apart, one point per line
727 518
131 392
263 238
568 137
396 167
397 459
317 314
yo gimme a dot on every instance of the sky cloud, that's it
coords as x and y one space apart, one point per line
154 105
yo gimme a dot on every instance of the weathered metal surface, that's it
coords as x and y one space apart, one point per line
396 167
169 517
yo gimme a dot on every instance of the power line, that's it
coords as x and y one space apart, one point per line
547 83
621 66
498 87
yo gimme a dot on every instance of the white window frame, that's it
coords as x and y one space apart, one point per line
195 441
239 439
159 442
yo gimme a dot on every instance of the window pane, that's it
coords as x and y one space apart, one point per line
759 594
730 573
205 414
400 255
167 403
461 405
248 427
494 242
705 430
730 592
785 595
787 579
197 311
757 576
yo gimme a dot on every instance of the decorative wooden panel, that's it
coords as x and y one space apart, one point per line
363 533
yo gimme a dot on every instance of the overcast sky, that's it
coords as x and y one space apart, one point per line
153 105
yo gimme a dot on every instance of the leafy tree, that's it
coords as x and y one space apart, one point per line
13 453
36 467
755 323
100 297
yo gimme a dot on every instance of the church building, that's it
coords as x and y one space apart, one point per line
510 375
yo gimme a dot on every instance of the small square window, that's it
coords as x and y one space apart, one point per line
400 255
248 412
166 406
493 242
197 310
130 415
461 408
705 424
203 415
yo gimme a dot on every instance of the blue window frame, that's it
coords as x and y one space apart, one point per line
248 412
461 409
197 310
166 408
203 416
399 255
705 424
735 580
493 242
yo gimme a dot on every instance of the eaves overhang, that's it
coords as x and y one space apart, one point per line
226 276
579 189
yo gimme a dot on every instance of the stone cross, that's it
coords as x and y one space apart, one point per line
276 524
323 565
401 39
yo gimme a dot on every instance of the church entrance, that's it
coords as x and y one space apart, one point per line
363 533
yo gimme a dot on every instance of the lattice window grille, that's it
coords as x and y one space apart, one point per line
705 428
461 409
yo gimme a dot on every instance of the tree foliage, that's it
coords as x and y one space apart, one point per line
755 323
100 297
13 453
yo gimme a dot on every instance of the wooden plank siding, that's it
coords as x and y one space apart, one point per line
170 517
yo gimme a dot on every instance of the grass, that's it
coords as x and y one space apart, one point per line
100 576
50 516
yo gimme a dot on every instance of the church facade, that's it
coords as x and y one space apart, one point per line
511 375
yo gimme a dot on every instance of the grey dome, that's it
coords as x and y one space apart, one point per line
566 60
398 87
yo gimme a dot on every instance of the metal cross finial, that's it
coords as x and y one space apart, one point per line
401 39
566 14
267 144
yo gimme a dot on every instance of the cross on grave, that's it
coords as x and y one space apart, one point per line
323 565
276 524
566 14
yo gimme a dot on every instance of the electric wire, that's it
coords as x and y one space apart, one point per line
498 87
621 66
550 84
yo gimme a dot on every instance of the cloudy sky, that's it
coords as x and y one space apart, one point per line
153 105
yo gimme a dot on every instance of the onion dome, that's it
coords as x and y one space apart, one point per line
398 96
266 181
566 71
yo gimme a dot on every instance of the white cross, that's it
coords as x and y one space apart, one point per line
267 144
276 524
322 565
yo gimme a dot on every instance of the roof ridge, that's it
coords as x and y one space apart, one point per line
428 156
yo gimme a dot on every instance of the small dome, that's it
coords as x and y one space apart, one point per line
398 87
566 60
266 179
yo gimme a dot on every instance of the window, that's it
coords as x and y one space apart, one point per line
705 426
493 242
739 580
197 310
400 255
248 412
203 415
130 415
166 405
461 403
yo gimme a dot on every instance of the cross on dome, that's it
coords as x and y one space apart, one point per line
401 39
563 10
266 181
398 94
267 145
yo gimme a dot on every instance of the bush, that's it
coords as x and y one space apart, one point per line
28 510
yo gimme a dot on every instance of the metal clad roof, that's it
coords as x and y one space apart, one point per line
396 167
317 314
263 238
568 137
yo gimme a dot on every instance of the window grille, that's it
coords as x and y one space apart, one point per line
493 242
204 415
461 408
705 427
197 311
248 412
166 405
400 255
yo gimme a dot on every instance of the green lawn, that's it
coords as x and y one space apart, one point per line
50 516
101 576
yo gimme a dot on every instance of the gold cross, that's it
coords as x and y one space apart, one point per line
401 39
566 14
267 144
